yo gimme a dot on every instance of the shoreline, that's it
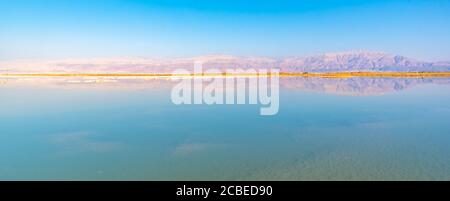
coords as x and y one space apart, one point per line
281 74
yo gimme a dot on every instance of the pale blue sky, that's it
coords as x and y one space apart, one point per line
44 29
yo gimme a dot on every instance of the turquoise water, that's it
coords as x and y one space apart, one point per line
326 129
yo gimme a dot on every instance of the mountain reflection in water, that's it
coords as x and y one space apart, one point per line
361 86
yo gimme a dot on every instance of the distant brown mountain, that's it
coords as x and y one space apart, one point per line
360 61
341 61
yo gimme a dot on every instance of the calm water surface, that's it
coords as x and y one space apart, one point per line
326 129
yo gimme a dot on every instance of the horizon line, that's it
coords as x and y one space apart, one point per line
281 74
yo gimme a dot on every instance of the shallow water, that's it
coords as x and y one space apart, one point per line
128 129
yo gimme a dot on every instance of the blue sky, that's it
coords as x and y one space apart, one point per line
38 29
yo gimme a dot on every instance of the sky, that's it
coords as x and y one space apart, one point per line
54 29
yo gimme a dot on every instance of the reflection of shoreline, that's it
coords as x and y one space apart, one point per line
282 74
361 86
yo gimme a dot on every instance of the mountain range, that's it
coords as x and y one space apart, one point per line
328 62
